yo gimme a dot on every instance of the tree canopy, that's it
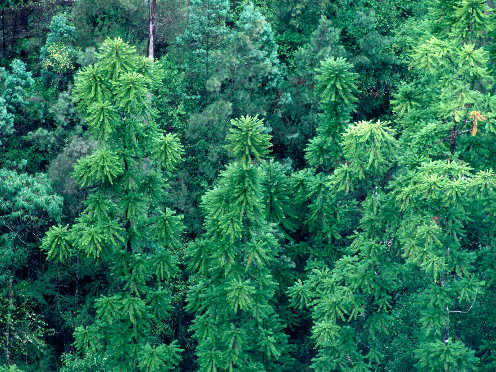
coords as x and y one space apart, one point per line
285 185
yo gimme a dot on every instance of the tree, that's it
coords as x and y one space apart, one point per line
16 85
125 227
299 110
28 207
15 109
202 42
58 54
231 292
336 88
406 288
243 79
249 73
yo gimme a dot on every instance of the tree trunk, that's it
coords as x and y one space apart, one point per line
151 31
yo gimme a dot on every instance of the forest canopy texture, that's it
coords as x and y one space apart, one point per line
266 185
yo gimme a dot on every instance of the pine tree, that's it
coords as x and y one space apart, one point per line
126 226
232 290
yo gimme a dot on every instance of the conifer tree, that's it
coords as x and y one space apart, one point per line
126 226
300 111
243 78
335 87
202 42
326 218
407 288
232 290
249 73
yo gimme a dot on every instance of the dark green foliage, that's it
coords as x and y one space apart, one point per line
28 207
62 166
249 73
96 20
202 42
337 182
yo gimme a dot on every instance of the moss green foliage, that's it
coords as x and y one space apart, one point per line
334 162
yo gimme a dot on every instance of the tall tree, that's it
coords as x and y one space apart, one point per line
126 226
336 88
407 288
202 42
232 290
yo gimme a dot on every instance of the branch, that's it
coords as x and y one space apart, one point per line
465 312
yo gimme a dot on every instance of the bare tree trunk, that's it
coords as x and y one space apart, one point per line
151 31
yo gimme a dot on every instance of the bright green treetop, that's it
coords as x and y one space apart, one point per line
232 291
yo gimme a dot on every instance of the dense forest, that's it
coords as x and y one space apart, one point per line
265 185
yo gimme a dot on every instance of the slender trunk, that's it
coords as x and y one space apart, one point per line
151 31
207 47
76 294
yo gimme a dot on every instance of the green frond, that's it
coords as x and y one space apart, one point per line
117 57
102 167
168 228
248 140
57 243
168 151
102 118
239 294
131 90
336 81
90 86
